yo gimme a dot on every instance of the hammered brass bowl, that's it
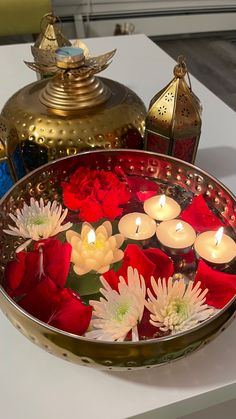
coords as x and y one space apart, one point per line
45 182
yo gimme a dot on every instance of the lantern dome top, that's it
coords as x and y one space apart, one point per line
175 111
50 37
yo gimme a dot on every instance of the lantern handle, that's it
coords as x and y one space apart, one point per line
183 68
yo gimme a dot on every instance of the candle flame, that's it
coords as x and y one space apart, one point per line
179 227
218 236
162 201
91 236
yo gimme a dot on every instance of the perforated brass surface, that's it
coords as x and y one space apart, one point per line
52 133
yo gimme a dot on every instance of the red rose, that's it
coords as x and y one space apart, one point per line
199 216
148 262
23 274
221 286
95 193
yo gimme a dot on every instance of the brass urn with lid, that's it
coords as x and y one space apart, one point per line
74 110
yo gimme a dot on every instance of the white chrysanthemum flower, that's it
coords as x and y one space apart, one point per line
38 221
95 249
120 311
176 306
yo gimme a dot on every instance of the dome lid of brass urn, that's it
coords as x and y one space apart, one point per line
73 86
74 110
175 111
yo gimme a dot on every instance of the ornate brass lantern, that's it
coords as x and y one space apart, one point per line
49 39
173 122
11 163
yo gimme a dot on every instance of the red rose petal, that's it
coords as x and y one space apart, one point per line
135 257
221 286
142 188
144 195
112 278
56 260
42 300
71 314
22 274
145 328
199 216
164 267
148 262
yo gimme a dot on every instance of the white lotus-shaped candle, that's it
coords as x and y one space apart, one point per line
94 249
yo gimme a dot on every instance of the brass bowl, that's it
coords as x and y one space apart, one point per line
44 182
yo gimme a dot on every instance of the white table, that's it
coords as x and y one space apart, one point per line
36 385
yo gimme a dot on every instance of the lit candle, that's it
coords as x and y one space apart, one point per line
137 226
69 54
175 235
162 208
94 250
215 247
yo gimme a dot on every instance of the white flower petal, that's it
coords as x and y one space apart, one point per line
118 312
175 306
38 221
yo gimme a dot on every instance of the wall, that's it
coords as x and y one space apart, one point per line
154 18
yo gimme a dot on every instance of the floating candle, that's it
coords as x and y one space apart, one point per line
175 235
94 250
162 207
215 247
137 226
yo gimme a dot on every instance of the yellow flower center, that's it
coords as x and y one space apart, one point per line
178 310
38 220
121 311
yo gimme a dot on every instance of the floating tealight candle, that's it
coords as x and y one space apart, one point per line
162 207
137 226
215 247
94 250
175 235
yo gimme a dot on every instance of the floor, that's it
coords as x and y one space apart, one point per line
211 59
